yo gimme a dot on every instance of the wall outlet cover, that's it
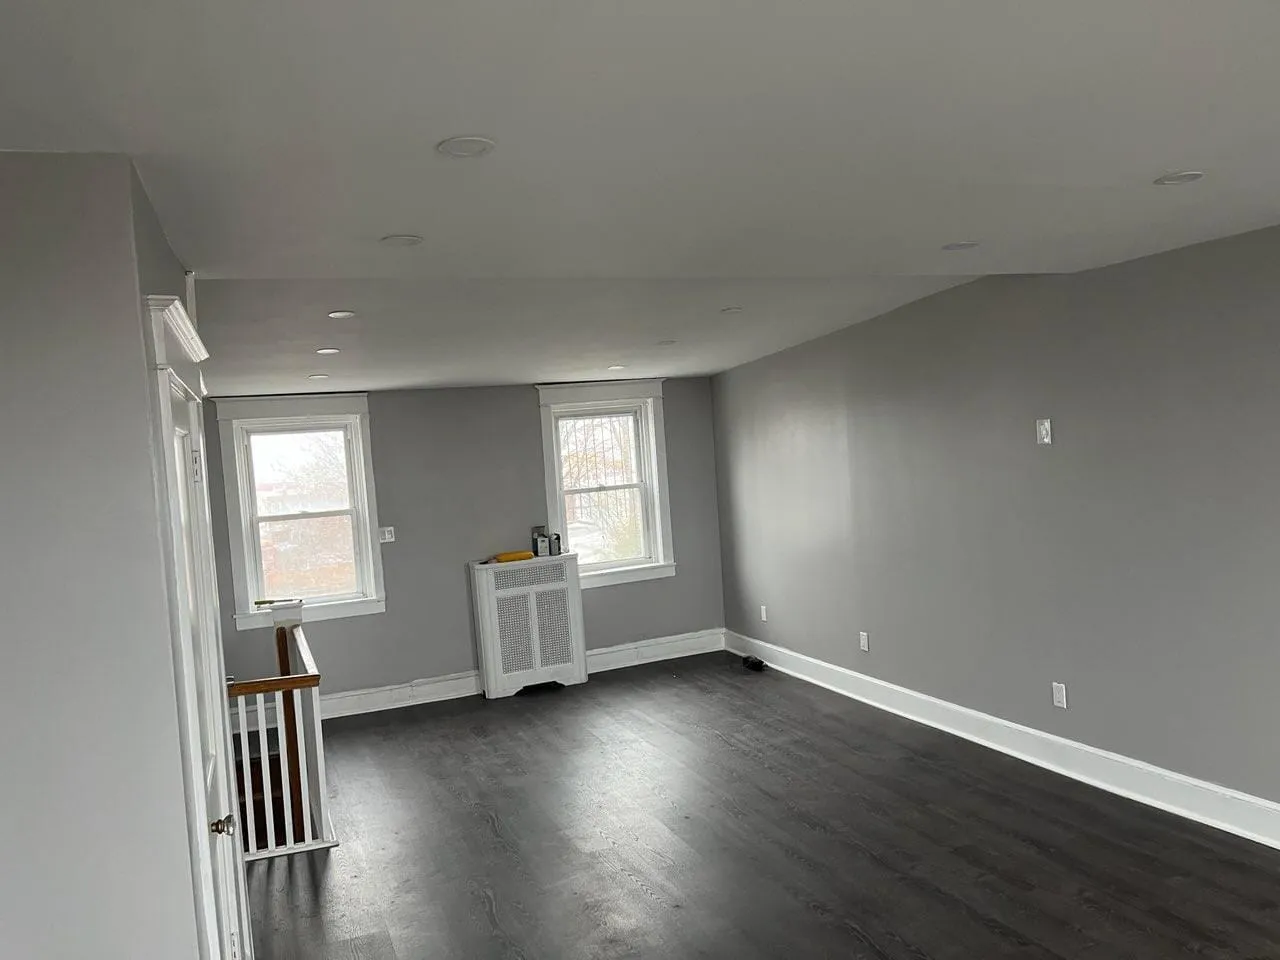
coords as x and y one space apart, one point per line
1060 695
864 640
1044 432
386 534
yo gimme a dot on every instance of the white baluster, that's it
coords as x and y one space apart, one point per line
268 788
282 737
251 835
304 733
322 787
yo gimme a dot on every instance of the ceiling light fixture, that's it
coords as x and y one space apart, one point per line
328 351
618 366
341 314
400 240
730 309
317 376
960 245
1176 179
465 148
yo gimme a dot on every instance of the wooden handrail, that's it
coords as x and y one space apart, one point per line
297 681
309 677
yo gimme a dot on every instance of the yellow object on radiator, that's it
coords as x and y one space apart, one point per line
511 555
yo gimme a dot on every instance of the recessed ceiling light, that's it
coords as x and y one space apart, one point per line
400 240
465 148
317 376
960 245
328 351
341 314
730 309
1182 176
618 366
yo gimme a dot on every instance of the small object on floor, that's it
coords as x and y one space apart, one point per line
753 663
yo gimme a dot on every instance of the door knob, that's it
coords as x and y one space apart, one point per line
226 826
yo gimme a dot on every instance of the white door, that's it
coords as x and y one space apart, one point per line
216 858
209 725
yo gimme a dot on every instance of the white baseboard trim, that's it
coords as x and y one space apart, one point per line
1217 806
346 703
660 648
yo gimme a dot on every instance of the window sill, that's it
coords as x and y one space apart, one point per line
607 578
334 610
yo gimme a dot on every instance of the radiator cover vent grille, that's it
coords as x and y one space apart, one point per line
517 578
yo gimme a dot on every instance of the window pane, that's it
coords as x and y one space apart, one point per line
300 472
307 558
598 451
605 526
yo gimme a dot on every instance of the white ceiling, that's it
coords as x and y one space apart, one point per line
469 332
665 140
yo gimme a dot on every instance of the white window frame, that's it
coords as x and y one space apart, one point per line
238 420
644 399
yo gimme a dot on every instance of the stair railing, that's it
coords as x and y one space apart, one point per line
280 769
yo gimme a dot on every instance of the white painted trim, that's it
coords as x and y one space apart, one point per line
554 394
348 702
643 399
468 684
170 311
333 610
219 908
1217 806
664 548
660 648
237 420
266 853
309 405
607 578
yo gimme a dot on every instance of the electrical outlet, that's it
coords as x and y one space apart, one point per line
864 641
1060 695
386 534
1044 432
764 613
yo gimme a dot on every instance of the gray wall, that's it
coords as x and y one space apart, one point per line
459 475
886 478
95 853
159 271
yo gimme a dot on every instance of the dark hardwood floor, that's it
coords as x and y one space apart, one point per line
692 809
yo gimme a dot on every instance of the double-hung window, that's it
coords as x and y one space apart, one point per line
301 506
606 473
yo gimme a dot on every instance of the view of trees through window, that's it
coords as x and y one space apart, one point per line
601 480
303 512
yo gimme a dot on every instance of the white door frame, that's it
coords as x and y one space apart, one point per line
174 352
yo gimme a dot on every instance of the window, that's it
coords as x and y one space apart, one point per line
605 457
301 506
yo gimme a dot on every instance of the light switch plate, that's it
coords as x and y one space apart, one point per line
1044 432
386 534
764 613
864 641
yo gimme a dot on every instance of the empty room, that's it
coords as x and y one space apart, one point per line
569 481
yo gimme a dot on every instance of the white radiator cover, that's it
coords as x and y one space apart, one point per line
528 623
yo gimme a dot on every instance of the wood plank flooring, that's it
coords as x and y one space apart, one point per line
692 809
